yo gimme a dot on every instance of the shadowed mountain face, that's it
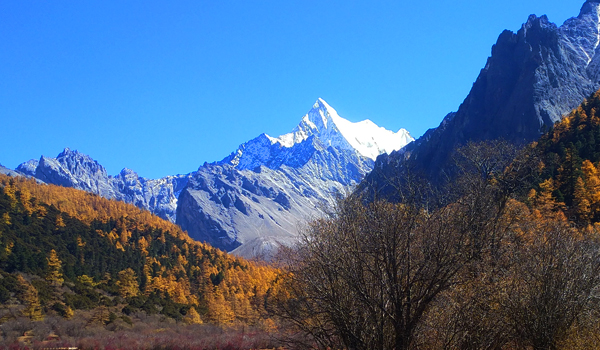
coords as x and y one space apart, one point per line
253 200
532 79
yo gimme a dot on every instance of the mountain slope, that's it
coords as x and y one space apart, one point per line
257 198
571 158
81 251
532 79
259 195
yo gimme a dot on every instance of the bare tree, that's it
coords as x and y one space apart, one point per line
552 284
366 277
468 268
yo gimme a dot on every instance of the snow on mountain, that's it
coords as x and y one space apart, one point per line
365 137
323 122
257 198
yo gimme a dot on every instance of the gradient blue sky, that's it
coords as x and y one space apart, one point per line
163 86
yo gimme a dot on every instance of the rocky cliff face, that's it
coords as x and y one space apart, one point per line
74 169
257 210
532 79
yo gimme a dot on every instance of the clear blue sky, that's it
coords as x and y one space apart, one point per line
163 86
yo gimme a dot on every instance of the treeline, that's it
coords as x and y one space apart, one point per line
507 256
64 251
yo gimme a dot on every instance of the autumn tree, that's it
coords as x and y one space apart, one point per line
367 277
552 283
103 244
54 275
128 283
219 310
192 317
33 308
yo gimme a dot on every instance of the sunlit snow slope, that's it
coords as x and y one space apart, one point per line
324 123
365 137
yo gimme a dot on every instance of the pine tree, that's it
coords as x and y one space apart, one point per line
60 223
581 202
6 219
54 275
219 310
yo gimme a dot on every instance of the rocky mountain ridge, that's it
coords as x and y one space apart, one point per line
253 200
532 78
74 169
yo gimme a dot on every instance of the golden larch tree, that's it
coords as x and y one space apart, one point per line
128 284
54 275
33 308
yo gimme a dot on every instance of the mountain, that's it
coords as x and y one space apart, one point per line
6 171
256 198
74 169
532 79
323 122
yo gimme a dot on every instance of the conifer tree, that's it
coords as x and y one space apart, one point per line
220 311
60 223
192 317
33 308
54 275
6 219
128 284
581 202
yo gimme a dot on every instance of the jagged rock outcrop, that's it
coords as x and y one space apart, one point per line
157 195
28 168
532 79
74 169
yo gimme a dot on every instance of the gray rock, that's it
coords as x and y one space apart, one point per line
74 169
29 167
250 211
532 79
251 202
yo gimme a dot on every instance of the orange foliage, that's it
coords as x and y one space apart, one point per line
86 206
239 294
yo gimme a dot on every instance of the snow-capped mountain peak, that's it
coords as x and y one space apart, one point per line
325 124
368 139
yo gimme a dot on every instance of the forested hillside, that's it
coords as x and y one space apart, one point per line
570 163
65 252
